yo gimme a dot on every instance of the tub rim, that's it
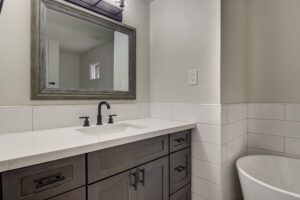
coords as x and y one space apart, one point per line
241 170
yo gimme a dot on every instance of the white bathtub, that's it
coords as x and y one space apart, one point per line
269 177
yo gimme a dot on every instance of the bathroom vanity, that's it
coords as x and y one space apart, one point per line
155 166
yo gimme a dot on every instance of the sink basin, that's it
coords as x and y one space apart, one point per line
109 129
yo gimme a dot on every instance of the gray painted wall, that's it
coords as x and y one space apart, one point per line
68 70
104 54
185 35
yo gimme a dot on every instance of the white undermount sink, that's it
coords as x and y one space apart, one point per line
110 129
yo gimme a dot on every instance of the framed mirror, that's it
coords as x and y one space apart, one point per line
76 54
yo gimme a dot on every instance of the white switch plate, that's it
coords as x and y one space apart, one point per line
193 77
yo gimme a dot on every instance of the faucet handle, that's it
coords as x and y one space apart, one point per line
86 121
111 119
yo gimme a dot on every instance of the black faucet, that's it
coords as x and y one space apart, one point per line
99 117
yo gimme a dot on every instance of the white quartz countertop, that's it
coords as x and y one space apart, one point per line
29 148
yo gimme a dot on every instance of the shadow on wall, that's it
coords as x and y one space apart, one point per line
1 5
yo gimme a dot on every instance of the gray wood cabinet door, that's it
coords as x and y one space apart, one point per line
119 187
182 194
154 180
78 194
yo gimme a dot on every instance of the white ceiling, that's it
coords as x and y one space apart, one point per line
75 35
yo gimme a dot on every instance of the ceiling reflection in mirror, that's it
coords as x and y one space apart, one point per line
85 56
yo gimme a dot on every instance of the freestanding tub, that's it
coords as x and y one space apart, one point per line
269 177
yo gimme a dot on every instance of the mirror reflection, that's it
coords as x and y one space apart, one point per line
85 56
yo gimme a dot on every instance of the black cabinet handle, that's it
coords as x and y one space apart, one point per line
142 180
51 83
180 169
48 180
134 182
179 140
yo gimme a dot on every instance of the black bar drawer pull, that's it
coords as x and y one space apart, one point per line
135 180
48 180
143 176
180 140
180 168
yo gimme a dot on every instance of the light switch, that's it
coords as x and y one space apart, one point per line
193 77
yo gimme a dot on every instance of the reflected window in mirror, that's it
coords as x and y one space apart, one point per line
95 71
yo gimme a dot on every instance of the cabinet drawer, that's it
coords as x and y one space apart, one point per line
180 169
180 140
104 163
78 194
44 180
183 194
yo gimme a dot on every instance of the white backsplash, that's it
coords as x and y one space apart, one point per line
15 119
27 118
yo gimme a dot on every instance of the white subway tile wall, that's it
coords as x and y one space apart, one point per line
266 111
234 146
28 118
274 129
206 144
15 119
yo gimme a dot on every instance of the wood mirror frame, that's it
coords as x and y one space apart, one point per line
39 91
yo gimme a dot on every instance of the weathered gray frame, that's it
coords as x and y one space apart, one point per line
39 91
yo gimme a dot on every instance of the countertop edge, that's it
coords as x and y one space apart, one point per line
26 161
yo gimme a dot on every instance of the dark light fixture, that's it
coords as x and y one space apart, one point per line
1 5
122 4
102 7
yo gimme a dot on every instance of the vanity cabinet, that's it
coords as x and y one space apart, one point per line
180 169
153 169
78 194
45 180
119 187
107 162
183 194
146 182
154 180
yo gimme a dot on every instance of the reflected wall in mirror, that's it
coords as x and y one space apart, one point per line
80 55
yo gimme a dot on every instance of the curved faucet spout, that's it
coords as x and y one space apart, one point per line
99 117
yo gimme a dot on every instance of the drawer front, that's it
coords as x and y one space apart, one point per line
180 169
78 194
180 140
183 194
104 163
44 180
